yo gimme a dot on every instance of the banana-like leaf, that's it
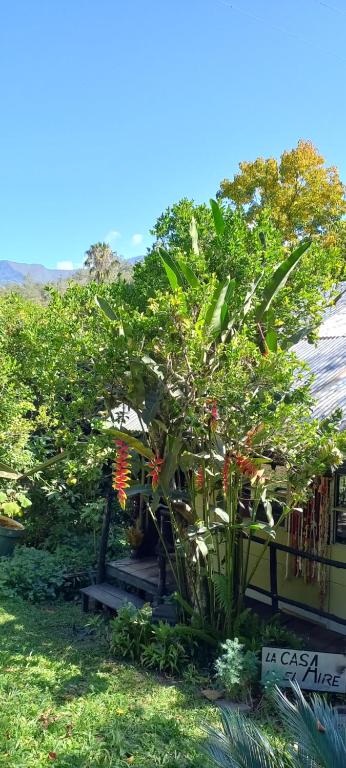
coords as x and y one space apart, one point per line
216 314
132 442
153 366
44 464
271 340
173 448
9 475
296 337
189 275
106 308
219 222
136 490
194 236
201 545
279 278
222 514
7 472
172 270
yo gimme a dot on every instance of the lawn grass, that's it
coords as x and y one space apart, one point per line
65 702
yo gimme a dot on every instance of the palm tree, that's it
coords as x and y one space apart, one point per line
102 262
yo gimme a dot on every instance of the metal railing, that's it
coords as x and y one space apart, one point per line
273 593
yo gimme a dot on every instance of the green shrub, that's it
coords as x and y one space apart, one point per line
131 631
236 669
156 646
166 651
33 574
255 633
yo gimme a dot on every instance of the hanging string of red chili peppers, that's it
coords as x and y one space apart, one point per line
309 532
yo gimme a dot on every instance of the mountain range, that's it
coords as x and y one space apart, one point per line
16 272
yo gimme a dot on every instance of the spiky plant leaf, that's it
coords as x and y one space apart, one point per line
240 744
315 727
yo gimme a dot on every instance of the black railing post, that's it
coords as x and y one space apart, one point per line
273 578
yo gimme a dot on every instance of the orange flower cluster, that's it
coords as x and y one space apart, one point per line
122 471
249 469
226 470
155 467
200 479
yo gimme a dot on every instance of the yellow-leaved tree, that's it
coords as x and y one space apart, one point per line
303 195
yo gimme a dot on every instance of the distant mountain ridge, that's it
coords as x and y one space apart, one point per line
16 272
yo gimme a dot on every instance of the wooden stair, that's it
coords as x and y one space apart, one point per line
110 596
143 575
142 578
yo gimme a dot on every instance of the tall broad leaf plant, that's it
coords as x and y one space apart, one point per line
221 404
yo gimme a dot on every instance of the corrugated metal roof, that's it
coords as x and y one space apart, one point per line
124 417
327 361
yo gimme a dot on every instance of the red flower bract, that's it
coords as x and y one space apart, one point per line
200 479
122 471
214 416
226 469
155 467
248 468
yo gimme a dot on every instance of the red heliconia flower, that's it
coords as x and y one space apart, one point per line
248 468
122 471
226 469
155 466
214 414
200 478
245 465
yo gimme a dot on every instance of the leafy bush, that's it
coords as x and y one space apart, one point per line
156 646
131 631
166 651
236 669
255 633
31 573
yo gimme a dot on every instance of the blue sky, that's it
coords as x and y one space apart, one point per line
114 109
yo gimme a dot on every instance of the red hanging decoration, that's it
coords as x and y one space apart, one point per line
155 467
122 471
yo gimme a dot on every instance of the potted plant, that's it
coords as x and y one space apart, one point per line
14 502
12 505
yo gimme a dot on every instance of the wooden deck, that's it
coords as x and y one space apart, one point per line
142 574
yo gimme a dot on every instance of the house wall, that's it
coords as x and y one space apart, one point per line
296 588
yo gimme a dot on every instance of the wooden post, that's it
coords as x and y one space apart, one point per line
107 516
273 578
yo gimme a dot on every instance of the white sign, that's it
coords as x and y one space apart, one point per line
313 671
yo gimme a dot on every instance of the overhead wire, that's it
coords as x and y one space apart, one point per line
302 39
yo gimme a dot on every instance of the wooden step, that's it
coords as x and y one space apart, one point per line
110 596
141 574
